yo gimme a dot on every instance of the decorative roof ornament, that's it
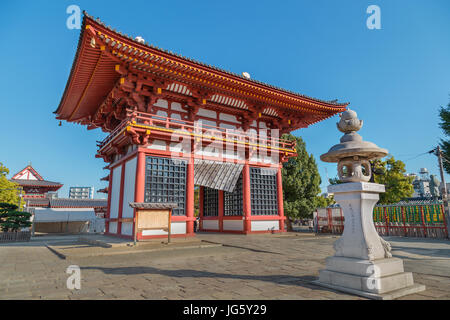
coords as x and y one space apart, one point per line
353 154
139 39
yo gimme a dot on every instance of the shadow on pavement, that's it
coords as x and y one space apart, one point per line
302 281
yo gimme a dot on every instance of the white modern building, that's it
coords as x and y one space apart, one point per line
81 193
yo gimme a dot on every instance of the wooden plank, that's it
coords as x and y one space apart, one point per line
153 219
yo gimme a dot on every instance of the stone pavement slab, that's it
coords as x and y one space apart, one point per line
243 267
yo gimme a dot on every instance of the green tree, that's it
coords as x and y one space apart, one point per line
301 181
323 202
11 219
9 191
334 180
196 201
391 173
444 114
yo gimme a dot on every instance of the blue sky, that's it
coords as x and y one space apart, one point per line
396 78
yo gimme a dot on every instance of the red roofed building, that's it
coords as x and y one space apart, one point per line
174 123
34 186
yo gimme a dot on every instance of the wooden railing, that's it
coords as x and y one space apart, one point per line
410 220
153 121
15 236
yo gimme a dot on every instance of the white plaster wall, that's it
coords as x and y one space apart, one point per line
162 103
208 151
178 227
211 224
236 225
113 227
203 122
252 132
27 175
206 113
254 158
229 154
228 117
115 192
161 113
128 185
265 225
158 145
228 126
177 107
127 228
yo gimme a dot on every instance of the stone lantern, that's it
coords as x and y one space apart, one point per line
363 263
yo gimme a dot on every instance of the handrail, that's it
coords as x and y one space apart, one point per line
143 118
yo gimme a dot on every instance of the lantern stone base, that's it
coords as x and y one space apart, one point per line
381 279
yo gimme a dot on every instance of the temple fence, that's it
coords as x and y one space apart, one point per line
415 220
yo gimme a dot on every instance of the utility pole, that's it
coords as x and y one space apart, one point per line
444 189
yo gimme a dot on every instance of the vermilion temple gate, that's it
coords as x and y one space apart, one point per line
174 123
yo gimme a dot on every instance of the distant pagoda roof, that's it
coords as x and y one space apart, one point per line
36 183
101 51
29 177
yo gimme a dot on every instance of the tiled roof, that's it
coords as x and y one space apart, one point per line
216 175
333 102
153 205
42 202
78 203
37 183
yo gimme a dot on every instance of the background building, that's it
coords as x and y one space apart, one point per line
34 186
426 185
81 193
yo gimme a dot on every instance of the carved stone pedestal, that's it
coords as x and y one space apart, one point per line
363 264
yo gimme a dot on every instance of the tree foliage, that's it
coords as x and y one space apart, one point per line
9 192
323 202
392 175
444 114
301 182
11 219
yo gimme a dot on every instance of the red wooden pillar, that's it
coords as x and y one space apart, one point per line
330 219
280 198
386 221
444 220
423 222
108 213
200 205
190 196
119 216
404 222
221 210
139 184
247 206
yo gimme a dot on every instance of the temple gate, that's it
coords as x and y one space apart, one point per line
174 123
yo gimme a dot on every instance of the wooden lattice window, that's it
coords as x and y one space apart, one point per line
233 202
263 189
210 202
165 181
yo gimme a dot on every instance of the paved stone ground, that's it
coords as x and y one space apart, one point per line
245 267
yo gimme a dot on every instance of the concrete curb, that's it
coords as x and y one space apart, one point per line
112 252
94 242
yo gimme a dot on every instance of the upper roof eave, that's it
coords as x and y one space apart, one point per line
98 24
